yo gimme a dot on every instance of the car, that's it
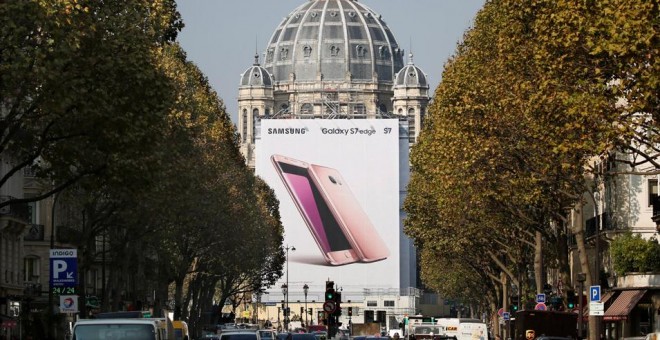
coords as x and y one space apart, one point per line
320 335
267 334
241 334
296 336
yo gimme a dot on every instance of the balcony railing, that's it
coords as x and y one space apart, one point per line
18 210
591 227
656 212
35 233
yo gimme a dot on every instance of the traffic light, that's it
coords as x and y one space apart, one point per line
337 304
329 290
302 310
309 311
570 299
514 303
350 311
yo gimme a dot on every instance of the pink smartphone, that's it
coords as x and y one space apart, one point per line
357 226
322 224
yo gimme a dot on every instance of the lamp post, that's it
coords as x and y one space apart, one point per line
51 297
305 290
285 288
581 277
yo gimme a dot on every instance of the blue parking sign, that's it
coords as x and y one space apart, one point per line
594 293
540 298
63 268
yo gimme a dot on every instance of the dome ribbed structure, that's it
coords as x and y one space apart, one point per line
256 75
333 40
410 76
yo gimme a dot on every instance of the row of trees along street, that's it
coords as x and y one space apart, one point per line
536 90
100 101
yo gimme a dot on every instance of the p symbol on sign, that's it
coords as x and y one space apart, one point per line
59 266
595 293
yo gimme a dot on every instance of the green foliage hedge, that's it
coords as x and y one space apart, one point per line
632 253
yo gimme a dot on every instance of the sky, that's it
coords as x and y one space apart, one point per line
221 36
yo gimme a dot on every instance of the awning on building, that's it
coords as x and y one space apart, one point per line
604 299
623 304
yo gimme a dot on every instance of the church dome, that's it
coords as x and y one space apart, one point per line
256 75
411 76
333 40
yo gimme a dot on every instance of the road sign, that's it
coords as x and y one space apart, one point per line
329 306
540 298
68 303
506 316
541 306
594 293
500 312
63 267
596 308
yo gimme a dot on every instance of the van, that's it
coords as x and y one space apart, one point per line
111 329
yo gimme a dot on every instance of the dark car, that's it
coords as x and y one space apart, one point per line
267 334
296 336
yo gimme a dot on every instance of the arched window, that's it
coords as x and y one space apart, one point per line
360 51
307 108
245 123
255 119
382 108
334 51
411 111
412 131
307 50
31 269
400 111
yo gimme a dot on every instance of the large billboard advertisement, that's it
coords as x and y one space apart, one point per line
337 182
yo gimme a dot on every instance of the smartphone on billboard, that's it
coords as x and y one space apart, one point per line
355 222
316 214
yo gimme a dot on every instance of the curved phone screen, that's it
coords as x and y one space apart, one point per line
328 233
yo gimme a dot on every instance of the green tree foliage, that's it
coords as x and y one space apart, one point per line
80 91
99 97
533 92
632 253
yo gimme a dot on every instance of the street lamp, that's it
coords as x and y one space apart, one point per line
581 277
285 288
305 290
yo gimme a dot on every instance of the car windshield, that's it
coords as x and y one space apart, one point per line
115 332
238 336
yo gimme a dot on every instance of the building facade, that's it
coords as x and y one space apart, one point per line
330 59
338 59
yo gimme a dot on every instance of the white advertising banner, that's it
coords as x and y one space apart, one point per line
337 182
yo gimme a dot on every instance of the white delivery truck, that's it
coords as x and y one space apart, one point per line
463 328
116 329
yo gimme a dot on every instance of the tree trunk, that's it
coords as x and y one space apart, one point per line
178 297
538 262
578 231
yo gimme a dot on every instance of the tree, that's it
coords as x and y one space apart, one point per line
631 253
80 93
